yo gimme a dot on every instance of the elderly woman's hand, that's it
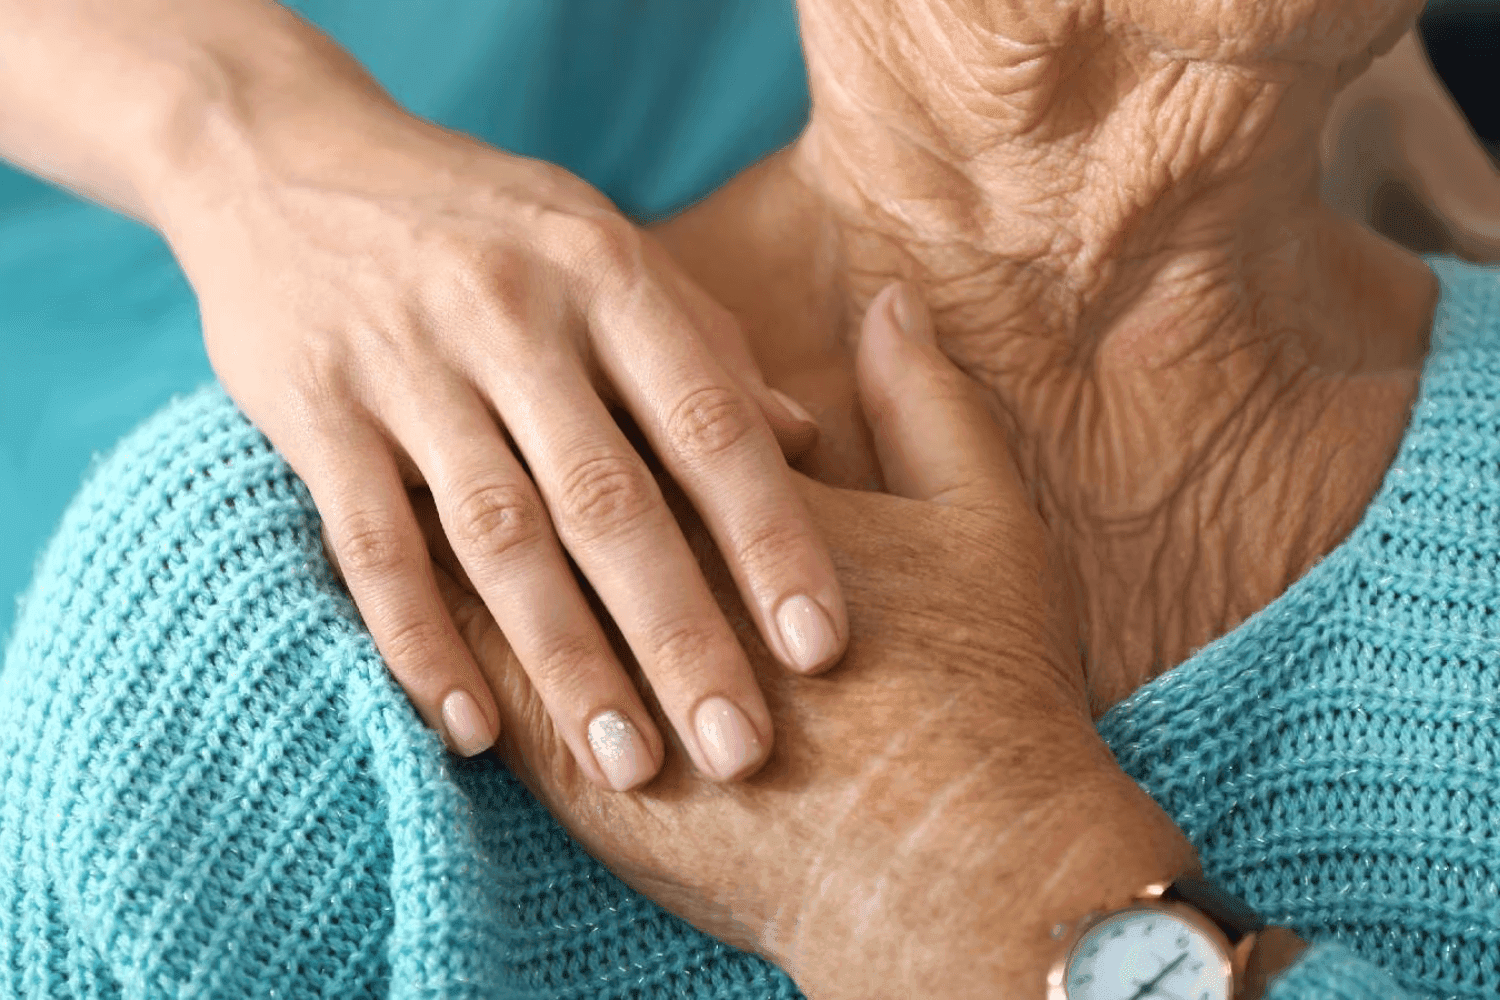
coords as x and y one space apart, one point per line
394 304
936 804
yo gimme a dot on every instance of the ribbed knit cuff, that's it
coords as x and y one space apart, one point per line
1333 972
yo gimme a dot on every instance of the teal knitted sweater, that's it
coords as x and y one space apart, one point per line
209 786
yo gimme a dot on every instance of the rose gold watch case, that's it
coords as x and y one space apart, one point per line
1234 959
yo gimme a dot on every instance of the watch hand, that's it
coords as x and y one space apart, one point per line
1150 983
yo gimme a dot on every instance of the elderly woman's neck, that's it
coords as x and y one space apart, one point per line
1062 181
1206 372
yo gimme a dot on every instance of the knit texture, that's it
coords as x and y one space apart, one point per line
1336 759
1332 972
210 786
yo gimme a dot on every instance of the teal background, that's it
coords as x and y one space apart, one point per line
656 102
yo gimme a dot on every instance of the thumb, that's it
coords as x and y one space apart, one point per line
935 436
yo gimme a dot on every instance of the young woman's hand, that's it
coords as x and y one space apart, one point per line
394 304
935 807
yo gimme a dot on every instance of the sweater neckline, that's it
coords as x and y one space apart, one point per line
1466 294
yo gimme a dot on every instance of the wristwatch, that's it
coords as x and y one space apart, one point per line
1187 940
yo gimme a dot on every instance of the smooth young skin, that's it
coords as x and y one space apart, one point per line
395 304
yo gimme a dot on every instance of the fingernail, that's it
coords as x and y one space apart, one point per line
468 732
904 312
725 738
795 408
807 632
622 755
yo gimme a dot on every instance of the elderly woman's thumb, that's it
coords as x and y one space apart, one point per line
934 434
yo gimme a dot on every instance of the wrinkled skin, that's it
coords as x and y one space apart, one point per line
950 757
1112 209
879 768
1205 370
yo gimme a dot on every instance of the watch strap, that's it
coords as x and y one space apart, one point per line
1232 915
1276 949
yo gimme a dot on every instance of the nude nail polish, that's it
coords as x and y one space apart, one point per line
725 737
620 751
468 731
905 313
806 631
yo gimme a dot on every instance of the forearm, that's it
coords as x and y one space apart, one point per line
128 102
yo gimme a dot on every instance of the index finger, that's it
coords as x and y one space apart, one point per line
712 440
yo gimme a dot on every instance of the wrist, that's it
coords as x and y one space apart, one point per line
1127 843
1219 945
122 101
973 908
246 103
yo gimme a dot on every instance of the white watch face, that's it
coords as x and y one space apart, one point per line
1146 954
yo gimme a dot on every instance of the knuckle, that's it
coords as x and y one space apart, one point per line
604 248
548 184
508 286
318 380
682 649
497 518
369 545
563 665
708 422
609 241
604 494
411 647
771 547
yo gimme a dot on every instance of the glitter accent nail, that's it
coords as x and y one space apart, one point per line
620 751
